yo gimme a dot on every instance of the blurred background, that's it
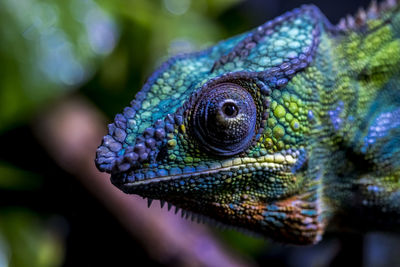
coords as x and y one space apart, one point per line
66 69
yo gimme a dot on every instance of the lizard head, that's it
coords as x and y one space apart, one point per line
221 132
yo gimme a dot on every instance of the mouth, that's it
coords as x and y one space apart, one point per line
282 162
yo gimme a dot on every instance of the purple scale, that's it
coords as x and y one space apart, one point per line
139 176
296 67
111 128
265 90
188 169
169 118
244 53
119 135
280 19
143 157
102 150
106 167
295 61
232 55
148 132
162 172
257 37
310 115
241 45
290 72
129 112
140 96
250 45
159 123
120 117
131 157
282 82
273 70
129 179
175 171
150 143
124 167
284 66
302 57
159 134
140 148
201 168
268 24
120 121
115 146
178 119
103 160
136 104
150 174
269 32
109 155
169 127
273 79
303 65
152 154
306 50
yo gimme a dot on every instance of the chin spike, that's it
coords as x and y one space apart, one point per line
149 201
361 16
342 24
372 11
350 22
176 209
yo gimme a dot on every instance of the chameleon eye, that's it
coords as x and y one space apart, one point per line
224 119
230 109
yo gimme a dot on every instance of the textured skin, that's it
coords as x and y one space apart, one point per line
285 130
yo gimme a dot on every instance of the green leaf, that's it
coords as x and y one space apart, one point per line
47 49
12 178
27 241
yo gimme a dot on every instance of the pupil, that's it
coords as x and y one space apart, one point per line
230 109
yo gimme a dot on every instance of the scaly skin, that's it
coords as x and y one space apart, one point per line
283 131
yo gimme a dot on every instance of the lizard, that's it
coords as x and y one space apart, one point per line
288 130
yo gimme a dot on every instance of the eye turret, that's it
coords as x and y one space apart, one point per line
224 119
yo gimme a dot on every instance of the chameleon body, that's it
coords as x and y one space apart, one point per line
287 130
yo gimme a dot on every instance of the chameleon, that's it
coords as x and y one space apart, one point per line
288 131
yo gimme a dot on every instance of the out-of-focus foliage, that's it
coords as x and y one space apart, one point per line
242 243
13 178
51 47
47 48
104 49
27 241
151 32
